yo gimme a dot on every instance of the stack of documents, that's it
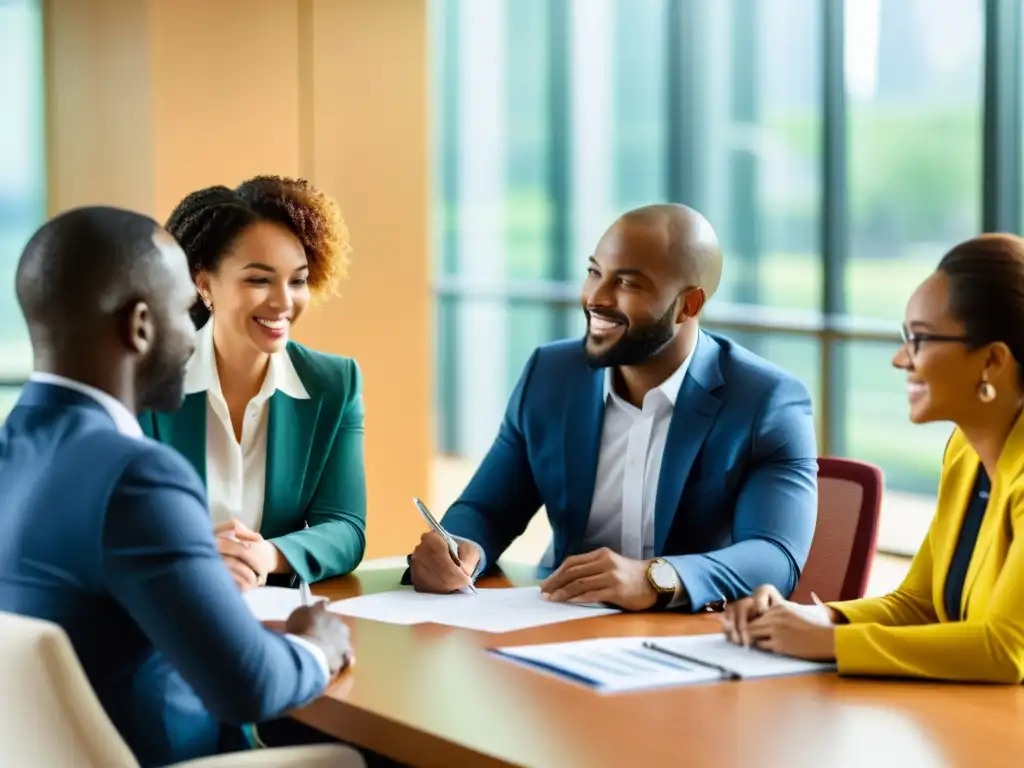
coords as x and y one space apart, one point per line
615 665
487 610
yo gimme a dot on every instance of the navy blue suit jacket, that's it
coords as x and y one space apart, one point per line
109 536
737 495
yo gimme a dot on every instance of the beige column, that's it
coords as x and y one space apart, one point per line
148 100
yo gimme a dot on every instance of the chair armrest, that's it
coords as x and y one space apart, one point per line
319 756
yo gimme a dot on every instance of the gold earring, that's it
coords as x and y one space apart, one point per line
207 302
986 392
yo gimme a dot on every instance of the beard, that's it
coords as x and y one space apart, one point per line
160 384
636 345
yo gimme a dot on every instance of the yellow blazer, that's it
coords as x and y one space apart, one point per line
907 633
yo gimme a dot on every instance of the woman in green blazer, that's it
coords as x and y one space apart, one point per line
275 429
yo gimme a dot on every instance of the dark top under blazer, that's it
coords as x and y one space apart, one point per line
737 495
315 470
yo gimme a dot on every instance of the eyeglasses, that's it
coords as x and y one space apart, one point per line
913 340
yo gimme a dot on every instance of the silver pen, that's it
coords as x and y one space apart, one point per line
453 547
304 594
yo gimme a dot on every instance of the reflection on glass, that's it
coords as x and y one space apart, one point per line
22 174
914 87
757 175
878 430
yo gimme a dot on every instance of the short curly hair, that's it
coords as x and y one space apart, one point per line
207 223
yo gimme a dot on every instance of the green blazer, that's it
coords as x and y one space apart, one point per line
315 471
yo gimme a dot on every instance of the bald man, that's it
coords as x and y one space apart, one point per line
678 470
106 532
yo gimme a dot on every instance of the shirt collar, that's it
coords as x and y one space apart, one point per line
669 387
202 376
125 421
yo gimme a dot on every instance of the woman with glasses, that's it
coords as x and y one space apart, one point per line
959 613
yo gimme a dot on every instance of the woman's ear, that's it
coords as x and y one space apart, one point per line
202 281
998 359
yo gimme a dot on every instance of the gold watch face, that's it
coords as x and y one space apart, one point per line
664 576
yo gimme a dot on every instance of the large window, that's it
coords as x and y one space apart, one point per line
22 176
839 148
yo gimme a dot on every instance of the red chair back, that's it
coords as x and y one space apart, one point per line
849 502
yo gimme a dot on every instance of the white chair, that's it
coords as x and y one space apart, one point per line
49 714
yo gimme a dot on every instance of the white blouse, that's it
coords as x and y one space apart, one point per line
236 470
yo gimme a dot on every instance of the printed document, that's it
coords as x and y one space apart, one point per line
615 665
489 610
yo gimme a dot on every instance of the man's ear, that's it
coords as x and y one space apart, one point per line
691 303
139 330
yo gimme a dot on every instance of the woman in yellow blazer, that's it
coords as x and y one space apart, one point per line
959 614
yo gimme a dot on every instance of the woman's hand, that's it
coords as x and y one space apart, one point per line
738 615
785 630
248 556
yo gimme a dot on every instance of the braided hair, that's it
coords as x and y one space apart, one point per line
207 223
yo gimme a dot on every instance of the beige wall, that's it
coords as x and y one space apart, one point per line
150 99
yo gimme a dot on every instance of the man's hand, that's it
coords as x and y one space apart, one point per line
433 570
601 576
326 631
248 556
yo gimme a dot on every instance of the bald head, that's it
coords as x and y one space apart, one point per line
81 267
690 242
648 280
106 294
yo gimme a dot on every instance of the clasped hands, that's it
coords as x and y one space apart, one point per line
601 576
249 557
768 621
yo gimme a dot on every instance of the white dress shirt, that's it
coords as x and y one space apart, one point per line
236 470
128 424
628 467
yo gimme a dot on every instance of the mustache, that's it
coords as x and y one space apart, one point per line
613 317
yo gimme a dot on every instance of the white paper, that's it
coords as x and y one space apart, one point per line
489 610
274 603
611 665
746 662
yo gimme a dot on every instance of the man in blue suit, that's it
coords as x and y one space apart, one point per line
106 532
678 469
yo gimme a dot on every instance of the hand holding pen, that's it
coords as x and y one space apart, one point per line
441 563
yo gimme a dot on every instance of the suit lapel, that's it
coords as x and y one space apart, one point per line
289 442
185 431
692 416
584 418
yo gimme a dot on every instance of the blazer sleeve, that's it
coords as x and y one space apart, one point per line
335 539
775 512
910 603
502 497
161 564
988 648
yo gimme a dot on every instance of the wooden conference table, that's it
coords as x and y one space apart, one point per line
430 695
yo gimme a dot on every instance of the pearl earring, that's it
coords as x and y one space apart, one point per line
986 392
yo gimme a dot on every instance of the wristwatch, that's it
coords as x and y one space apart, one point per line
663 577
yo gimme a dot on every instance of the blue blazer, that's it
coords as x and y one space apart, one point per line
108 536
737 495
